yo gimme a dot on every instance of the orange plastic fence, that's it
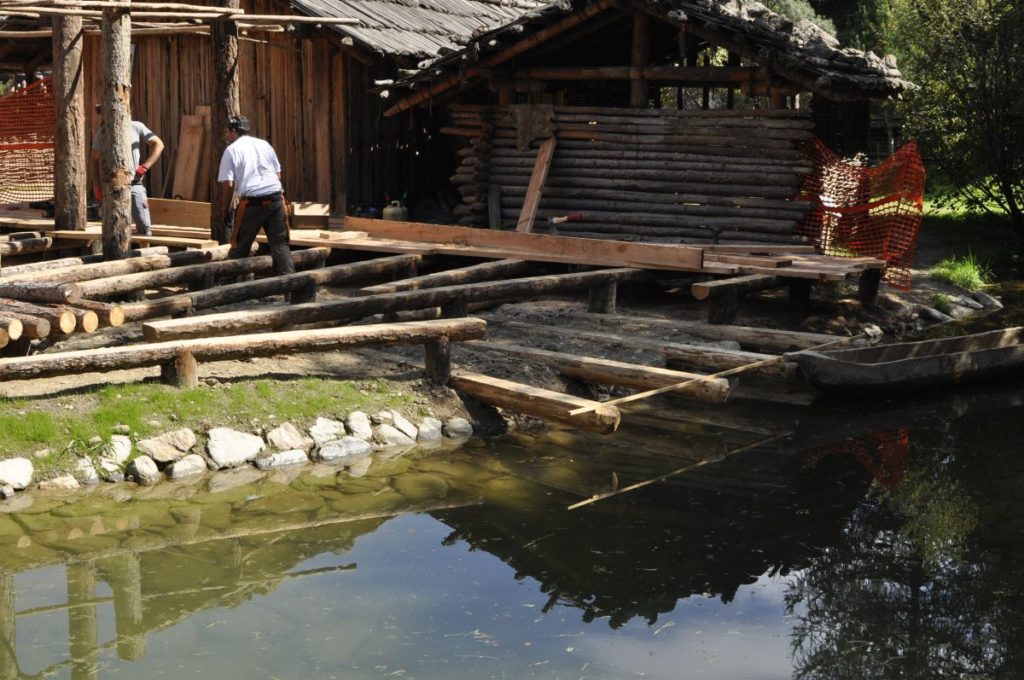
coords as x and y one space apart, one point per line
26 143
883 454
861 211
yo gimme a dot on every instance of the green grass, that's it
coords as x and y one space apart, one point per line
966 271
943 303
65 424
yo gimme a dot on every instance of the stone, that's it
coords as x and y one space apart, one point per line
347 450
86 471
96 439
325 430
143 471
120 449
933 315
360 468
121 429
236 478
968 301
189 466
230 448
62 483
872 331
388 435
430 430
987 300
16 473
286 437
169 446
6 491
402 424
358 424
41 453
458 428
282 459
381 417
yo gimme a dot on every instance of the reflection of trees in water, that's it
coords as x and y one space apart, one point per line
924 582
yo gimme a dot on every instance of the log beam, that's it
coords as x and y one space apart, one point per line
486 271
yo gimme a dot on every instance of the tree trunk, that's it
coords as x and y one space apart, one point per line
116 169
225 104
69 143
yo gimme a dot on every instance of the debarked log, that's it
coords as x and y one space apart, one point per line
40 291
227 323
108 314
99 270
274 285
12 327
65 262
223 349
538 402
485 271
610 372
61 319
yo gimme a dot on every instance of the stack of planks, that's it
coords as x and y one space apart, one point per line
640 174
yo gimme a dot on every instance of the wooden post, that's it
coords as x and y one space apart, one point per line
438 360
182 372
800 295
531 203
123 573
723 307
640 57
602 298
69 176
867 287
8 659
116 169
455 309
225 104
305 294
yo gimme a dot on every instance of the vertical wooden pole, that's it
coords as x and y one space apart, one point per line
536 188
124 575
730 101
225 104
867 288
116 169
640 57
69 165
339 135
182 372
438 361
602 299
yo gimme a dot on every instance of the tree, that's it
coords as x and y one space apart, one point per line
966 59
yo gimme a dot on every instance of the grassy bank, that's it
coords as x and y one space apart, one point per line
65 424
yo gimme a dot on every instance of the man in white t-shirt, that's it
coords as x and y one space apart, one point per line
140 134
249 167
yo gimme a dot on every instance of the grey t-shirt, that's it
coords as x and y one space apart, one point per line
140 135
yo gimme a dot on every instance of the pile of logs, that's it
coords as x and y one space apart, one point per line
639 174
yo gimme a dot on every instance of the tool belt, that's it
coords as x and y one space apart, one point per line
265 199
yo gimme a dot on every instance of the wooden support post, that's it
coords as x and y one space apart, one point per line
202 282
83 624
800 295
438 360
8 627
723 307
307 293
602 298
225 104
531 203
640 56
867 287
182 372
69 140
455 309
116 168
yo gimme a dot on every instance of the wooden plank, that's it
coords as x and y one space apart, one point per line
609 372
190 150
502 269
538 246
180 213
536 187
179 241
310 215
755 260
740 284
538 402
202 190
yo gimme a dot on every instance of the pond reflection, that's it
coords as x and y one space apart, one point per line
850 540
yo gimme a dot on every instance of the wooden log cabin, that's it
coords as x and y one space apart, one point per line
670 120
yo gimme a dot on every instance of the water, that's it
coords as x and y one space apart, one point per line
850 540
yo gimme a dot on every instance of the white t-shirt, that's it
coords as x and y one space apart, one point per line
252 165
139 134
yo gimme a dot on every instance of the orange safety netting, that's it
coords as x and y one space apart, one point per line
26 143
883 454
860 211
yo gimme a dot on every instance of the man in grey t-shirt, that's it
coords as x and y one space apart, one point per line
140 134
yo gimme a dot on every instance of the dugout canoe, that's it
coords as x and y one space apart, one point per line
908 366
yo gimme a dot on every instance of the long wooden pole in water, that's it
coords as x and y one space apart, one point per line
712 376
677 471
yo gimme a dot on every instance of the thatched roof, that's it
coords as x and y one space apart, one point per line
802 51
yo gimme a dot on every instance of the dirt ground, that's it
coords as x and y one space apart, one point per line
834 310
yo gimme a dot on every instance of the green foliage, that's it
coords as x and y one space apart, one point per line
966 271
943 303
797 10
966 58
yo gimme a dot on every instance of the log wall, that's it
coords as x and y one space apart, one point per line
642 174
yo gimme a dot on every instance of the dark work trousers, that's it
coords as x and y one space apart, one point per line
269 214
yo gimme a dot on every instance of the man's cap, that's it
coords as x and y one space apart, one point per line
238 123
